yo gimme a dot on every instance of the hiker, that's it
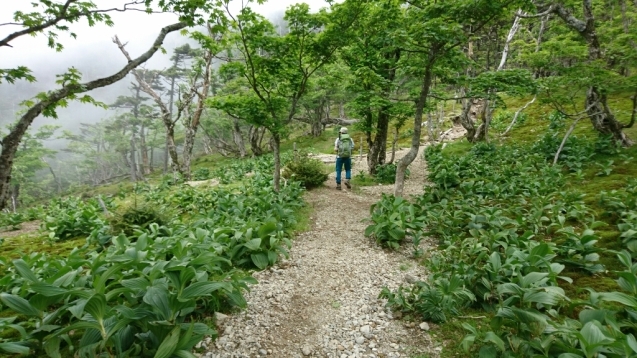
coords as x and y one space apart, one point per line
343 147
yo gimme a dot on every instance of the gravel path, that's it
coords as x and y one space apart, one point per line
322 302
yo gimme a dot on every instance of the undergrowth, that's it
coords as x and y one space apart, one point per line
513 232
163 265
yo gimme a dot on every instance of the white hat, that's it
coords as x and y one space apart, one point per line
343 130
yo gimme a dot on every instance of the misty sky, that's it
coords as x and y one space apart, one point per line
94 54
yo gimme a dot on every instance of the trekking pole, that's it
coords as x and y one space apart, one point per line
360 156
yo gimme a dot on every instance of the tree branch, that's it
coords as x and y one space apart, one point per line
25 121
63 15
550 10
517 113
569 18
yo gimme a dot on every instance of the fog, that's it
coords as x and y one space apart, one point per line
95 55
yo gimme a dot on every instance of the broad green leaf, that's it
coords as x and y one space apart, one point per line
397 234
533 278
157 297
199 289
590 315
100 280
52 347
96 306
493 338
66 279
48 290
184 354
632 342
511 289
592 334
169 345
19 305
619 297
14 347
236 298
266 229
116 325
24 270
487 352
260 260
77 310
138 283
496 264
467 342
272 256
254 244
541 296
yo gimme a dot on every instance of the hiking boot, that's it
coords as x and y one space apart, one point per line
338 186
347 184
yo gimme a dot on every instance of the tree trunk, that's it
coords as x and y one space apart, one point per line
15 193
193 124
133 162
317 121
275 141
466 118
165 113
430 128
596 103
172 149
255 146
189 143
404 162
170 110
237 137
602 118
143 150
393 146
12 140
55 177
512 31
378 147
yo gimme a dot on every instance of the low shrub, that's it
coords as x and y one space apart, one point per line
308 171
135 218
201 174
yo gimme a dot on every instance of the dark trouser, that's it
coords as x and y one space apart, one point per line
339 168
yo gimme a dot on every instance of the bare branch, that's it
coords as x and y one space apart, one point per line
579 115
550 10
517 113
512 32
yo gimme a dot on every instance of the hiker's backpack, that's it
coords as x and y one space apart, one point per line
344 146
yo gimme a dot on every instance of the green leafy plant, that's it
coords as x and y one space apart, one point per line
434 302
308 171
201 174
72 218
393 219
386 173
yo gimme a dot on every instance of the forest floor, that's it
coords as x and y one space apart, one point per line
323 301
